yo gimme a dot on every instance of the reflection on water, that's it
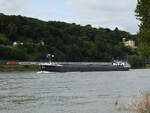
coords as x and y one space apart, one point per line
75 92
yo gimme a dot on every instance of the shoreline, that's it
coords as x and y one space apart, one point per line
13 68
21 68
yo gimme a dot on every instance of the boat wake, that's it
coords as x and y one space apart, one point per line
43 72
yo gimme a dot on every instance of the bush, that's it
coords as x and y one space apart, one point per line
136 61
139 104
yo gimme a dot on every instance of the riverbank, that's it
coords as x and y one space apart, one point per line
11 68
31 67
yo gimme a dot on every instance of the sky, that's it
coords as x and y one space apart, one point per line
98 13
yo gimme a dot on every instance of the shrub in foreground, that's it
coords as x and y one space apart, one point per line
139 104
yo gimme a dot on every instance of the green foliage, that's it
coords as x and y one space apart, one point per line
68 42
143 14
12 53
3 39
136 61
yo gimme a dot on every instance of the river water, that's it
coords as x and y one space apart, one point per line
75 92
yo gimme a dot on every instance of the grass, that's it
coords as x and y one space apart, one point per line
147 65
10 68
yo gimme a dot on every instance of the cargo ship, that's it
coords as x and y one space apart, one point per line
83 67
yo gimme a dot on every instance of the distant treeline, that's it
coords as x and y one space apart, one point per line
68 42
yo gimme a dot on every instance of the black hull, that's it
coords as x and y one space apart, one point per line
82 68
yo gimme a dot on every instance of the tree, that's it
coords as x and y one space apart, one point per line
66 41
3 39
143 14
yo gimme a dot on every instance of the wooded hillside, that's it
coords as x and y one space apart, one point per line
68 42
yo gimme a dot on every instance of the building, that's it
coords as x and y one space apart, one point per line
15 44
129 43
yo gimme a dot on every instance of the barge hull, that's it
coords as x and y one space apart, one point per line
82 68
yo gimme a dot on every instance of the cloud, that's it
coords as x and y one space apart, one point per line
105 13
98 13
11 6
31 8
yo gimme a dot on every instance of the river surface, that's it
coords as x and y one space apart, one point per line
75 92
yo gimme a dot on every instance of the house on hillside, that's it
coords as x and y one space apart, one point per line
129 43
15 44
